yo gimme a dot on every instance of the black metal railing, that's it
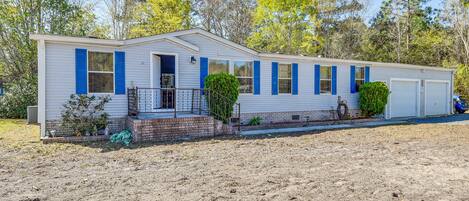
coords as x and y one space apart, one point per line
177 101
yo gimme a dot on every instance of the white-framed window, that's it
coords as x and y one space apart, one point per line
100 72
284 78
243 70
218 66
326 80
359 77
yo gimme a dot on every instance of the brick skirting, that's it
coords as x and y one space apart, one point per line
115 125
283 117
173 129
75 139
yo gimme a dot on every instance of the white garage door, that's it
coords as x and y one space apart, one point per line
404 98
436 98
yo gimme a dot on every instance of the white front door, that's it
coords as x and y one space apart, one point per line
404 98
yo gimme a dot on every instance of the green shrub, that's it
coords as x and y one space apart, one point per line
255 121
19 94
222 93
84 114
373 98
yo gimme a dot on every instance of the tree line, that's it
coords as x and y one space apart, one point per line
403 31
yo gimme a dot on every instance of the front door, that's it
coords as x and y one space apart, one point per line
167 81
168 91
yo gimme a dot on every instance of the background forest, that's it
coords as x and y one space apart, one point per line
403 31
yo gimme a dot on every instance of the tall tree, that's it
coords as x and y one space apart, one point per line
341 28
19 18
18 56
161 16
395 29
286 26
231 19
121 13
457 16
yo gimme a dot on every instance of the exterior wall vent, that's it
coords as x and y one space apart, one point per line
295 117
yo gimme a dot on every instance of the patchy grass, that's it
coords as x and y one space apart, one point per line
18 136
403 162
15 133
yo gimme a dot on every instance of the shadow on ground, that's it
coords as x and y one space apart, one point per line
453 119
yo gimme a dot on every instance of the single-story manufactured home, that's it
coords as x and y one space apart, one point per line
168 72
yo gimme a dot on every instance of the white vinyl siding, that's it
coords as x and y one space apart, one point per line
60 76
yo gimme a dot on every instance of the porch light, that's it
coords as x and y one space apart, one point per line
193 60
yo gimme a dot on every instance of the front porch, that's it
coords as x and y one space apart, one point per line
167 114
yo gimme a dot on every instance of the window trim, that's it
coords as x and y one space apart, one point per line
291 79
252 76
320 79
113 73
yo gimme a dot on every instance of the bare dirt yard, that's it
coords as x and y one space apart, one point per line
406 162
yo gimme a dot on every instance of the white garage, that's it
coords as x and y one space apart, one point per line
405 98
437 97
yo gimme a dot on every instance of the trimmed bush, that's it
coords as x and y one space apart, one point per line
222 93
85 114
373 98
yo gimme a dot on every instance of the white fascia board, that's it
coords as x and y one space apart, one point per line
68 39
329 60
115 43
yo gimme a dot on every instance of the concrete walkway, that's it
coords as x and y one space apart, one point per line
322 127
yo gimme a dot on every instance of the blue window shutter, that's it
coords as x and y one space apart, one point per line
317 79
367 74
257 77
295 79
81 71
334 80
352 80
119 68
274 78
203 70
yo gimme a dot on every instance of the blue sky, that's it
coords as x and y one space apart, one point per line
374 6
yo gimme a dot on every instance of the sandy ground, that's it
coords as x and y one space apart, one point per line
410 162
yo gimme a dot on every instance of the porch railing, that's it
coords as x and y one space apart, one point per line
176 101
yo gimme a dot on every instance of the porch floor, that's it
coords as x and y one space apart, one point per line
166 115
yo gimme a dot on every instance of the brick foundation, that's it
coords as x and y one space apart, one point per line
75 139
115 125
285 117
173 129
